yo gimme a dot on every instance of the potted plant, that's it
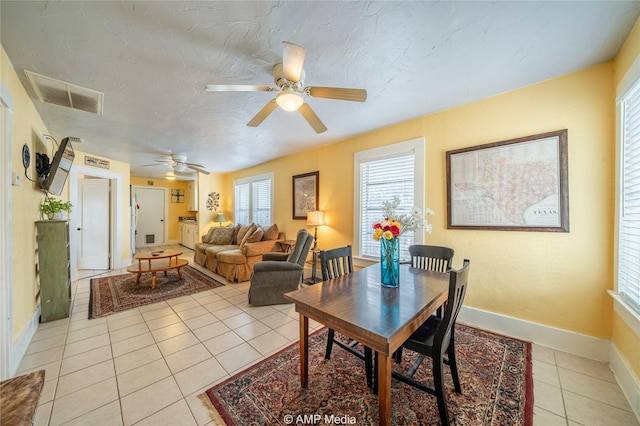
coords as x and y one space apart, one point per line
51 207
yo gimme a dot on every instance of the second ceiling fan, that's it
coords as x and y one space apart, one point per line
289 79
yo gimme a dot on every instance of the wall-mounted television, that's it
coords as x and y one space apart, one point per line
59 170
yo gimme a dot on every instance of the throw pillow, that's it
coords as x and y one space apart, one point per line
251 230
235 234
207 238
243 231
271 233
256 236
222 236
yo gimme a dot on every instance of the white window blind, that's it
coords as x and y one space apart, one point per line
252 202
381 180
241 203
261 205
629 221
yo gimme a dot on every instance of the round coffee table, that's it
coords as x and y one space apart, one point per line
157 261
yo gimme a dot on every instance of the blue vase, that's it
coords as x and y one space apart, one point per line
390 262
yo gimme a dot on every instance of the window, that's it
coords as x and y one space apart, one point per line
628 272
380 174
252 200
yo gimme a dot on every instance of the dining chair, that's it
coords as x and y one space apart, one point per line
335 263
435 339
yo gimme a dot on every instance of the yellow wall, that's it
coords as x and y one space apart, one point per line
627 342
175 209
25 199
215 182
526 275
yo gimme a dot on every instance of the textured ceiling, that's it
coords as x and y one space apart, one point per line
152 60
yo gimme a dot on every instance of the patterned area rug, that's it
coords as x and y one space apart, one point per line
120 292
19 398
495 373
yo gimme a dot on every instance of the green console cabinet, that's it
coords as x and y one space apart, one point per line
54 269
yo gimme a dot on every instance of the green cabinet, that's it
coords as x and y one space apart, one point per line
54 269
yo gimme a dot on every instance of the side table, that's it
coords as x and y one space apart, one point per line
313 280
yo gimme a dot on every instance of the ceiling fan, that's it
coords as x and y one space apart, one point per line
289 79
179 164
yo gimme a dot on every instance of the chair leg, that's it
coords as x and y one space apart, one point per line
451 352
330 335
397 355
368 365
438 384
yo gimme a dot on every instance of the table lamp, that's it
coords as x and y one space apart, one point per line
315 218
220 218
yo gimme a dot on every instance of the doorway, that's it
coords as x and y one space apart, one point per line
6 274
93 230
151 210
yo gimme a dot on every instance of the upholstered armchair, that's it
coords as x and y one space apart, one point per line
279 273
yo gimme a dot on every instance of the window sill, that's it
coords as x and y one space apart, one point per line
629 316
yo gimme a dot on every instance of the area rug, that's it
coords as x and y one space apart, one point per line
19 398
120 292
494 370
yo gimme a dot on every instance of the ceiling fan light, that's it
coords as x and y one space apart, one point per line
179 167
289 101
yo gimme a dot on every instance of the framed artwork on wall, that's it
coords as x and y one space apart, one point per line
305 194
514 185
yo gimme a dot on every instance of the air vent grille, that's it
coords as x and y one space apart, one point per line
57 92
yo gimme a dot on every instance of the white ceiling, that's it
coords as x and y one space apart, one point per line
152 60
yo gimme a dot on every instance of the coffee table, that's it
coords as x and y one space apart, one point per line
157 261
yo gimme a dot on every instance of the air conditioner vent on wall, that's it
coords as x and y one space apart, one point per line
52 91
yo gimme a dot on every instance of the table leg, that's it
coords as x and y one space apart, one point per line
153 280
384 389
304 351
180 272
138 278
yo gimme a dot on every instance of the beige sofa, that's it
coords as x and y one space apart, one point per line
231 251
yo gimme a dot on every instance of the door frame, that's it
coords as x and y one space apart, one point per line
116 215
6 246
165 206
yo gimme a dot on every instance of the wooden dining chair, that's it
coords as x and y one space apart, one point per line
335 263
435 339
433 258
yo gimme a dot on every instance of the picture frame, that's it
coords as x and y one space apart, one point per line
514 185
305 193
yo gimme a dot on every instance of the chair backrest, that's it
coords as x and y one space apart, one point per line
336 262
301 249
457 289
433 258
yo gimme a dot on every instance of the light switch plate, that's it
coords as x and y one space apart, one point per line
16 179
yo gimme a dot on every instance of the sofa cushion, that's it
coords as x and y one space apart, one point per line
222 236
207 238
256 236
242 232
248 234
233 256
270 233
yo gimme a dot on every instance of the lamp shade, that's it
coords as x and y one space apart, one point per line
315 218
289 100
220 217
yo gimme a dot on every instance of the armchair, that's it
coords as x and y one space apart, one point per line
278 274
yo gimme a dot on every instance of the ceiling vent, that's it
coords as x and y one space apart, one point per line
52 91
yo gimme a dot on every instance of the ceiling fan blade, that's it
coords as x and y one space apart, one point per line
292 61
312 118
194 165
263 113
198 169
238 88
357 95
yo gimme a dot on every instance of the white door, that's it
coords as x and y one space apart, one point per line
93 238
150 229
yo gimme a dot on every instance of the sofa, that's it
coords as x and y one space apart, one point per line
231 251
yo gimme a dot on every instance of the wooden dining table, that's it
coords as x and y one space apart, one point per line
382 318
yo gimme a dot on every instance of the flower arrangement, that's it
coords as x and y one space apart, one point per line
388 232
394 225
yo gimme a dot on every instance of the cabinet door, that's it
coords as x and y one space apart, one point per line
54 269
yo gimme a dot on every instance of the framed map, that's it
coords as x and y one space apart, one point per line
514 185
305 194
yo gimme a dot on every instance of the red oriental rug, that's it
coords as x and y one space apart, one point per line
495 373
120 292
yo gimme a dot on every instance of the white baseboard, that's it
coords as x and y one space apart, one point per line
628 381
20 348
556 338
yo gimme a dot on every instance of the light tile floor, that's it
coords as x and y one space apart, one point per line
151 365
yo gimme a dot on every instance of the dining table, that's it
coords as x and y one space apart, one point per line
381 318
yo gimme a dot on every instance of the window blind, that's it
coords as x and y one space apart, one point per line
241 203
629 222
380 181
261 205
